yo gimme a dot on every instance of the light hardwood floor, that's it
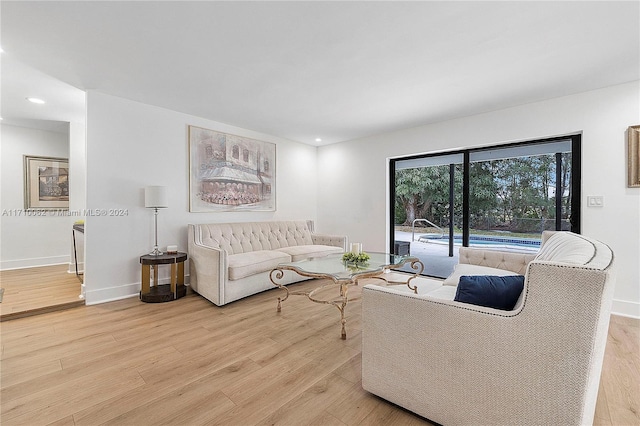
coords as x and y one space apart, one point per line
32 291
189 362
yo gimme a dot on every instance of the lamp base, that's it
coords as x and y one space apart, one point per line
156 252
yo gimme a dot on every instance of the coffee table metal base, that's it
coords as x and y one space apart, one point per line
339 302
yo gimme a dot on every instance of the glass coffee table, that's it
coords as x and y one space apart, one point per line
343 275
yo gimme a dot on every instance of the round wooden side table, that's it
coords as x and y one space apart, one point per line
162 293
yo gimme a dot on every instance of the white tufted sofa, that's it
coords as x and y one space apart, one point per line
229 261
461 364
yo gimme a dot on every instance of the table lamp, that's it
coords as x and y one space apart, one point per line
156 197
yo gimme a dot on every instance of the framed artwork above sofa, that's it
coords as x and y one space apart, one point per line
230 172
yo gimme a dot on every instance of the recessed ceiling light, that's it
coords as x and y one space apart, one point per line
318 140
35 100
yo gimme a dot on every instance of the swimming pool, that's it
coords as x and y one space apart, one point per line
486 240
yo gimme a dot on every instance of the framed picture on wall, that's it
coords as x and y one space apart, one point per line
633 135
46 183
230 173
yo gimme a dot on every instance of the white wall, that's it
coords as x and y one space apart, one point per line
77 189
132 145
29 241
352 196
77 167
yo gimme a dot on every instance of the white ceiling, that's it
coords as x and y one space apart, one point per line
307 70
64 103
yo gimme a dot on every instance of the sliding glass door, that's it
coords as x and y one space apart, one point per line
518 192
428 209
500 197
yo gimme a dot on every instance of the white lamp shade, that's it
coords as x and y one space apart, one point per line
156 197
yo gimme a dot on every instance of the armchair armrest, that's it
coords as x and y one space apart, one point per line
330 240
511 261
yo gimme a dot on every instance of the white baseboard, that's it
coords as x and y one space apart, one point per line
35 262
111 294
625 308
72 268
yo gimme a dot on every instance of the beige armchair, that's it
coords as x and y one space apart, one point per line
462 364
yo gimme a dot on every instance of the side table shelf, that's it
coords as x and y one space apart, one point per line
162 293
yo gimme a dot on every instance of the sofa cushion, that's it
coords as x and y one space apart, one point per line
309 251
469 269
242 265
566 247
446 292
498 292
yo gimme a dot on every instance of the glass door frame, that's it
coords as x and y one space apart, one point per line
576 174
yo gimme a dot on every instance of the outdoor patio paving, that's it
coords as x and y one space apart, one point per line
434 256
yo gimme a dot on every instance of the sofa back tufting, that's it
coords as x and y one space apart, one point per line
245 237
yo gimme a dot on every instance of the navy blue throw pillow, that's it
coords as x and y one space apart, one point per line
490 290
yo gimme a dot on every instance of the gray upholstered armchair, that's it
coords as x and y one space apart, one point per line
457 363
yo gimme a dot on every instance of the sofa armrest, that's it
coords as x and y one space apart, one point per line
428 354
330 240
207 268
511 261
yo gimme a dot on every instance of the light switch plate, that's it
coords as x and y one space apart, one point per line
595 201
